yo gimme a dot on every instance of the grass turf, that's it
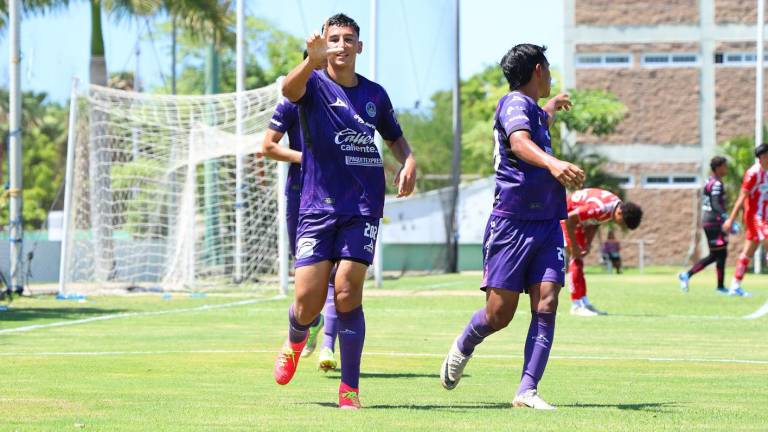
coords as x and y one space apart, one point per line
660 361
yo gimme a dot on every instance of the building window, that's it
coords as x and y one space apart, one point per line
671 181
603 60
626 181
737 58
670 60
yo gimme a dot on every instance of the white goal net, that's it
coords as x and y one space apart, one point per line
166 193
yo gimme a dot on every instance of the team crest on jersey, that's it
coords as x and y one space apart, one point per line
370 108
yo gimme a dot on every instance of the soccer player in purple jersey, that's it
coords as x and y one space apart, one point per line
286 119
523 248
713 216
342 194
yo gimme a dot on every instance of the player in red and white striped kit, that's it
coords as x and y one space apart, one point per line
754 198
588 208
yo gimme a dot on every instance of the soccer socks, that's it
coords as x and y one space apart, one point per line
296 332
331 326
578 285
702 263
741 267
721 256
351 339
474 333
539 344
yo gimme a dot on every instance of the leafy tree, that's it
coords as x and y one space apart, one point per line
44 137
740 152
270 53
430 130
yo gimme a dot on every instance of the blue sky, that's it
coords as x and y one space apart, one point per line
415 41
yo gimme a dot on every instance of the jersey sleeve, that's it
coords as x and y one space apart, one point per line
749 181
284 117
310 89
718 198
516 114
388 126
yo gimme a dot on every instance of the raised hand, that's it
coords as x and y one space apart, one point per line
318 50
561 102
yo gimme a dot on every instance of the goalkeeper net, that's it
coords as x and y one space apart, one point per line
167 193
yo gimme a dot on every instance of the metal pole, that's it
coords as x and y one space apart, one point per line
641 258
378 257
16 234
759 98
240 88
68 186
452 233
282 228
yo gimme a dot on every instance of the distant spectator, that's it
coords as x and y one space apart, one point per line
612 251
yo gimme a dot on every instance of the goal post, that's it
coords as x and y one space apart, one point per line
135 213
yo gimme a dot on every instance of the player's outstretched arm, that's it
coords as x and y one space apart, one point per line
568 174
295 84
405 180
728 224
272 149
562 101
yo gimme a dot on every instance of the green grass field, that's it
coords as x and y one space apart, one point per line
660 361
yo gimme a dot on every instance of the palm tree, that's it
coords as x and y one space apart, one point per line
206 18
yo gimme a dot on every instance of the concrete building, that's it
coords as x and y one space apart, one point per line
685 69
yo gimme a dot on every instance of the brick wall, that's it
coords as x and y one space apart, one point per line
735 101
662 104
634 12
736 11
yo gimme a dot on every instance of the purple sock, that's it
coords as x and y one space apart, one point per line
331 326
532 329
296 331
539 344
351 339
474 333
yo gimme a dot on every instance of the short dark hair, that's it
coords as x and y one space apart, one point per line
631 213
762 148
341 20
717 162
306 54
520 61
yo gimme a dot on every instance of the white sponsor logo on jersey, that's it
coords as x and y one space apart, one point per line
351 136
275 122
339 103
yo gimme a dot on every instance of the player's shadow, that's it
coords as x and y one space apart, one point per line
398 375
642 406
451 407
19 314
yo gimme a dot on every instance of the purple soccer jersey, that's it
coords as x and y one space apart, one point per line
524 191
285 119
342 170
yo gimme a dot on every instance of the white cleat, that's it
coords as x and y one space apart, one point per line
738 292
582 311
453 367
531 399
326 362
683 277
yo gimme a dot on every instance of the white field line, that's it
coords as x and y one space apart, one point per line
138 314
383 354
758 313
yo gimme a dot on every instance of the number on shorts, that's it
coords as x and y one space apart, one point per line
370 231
561 254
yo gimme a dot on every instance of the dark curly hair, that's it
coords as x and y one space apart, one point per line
341 20
631 213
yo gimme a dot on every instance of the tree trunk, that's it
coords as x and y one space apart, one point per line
98 63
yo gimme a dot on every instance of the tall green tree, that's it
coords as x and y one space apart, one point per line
429 130
269 53
205 18
44 136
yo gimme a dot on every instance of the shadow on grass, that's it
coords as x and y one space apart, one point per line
452 407
642 406
17 314
385 375
648 406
